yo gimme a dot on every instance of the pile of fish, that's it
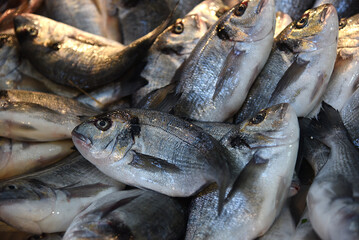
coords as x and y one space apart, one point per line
148 119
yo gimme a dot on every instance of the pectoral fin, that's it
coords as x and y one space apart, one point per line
152 164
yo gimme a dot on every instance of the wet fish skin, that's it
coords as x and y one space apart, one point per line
304 230
47 117
69 54
22 157
345 8
282 20
331 198
134 214
172 156
168 52
310 75
279 123
294 8
349 114
214 80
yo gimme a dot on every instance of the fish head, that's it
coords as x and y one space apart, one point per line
37 32
185 31
248 21
107 137
316 29
271 127
24 202
349 32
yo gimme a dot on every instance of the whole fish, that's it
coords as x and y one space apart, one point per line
294 8
214 80
350 116
345 8
345 77
168 52
332 206
154 150
302 59
35 116
133 214
282 20
266 147
48 200
67 55
22 157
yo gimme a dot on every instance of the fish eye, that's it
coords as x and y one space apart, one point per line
240 10
259 118
103 124
55 46
32 32
342 23
302 22
178 27
10 187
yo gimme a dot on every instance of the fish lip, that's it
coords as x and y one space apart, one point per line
261 5
81 138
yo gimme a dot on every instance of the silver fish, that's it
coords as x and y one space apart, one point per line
154 150
304 230
266 145
350 116
35 116
295 58
332 208
282 20
22 157
48 200
214 80
133 214
71 55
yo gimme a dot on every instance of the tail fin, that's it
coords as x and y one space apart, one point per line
328 125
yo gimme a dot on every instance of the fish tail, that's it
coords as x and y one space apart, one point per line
328 125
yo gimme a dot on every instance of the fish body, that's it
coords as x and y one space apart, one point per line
153 150
22 157
256 142
214 80
349 114
35 116
332 208
133 214
71 55
303 52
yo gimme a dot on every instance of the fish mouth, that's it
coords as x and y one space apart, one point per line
81 140
327 12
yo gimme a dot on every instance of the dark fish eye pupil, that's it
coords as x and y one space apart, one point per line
259 118
178 28
342 23
240 10
11 187
302 22
33 31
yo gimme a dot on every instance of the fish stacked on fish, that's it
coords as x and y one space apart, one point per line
182 85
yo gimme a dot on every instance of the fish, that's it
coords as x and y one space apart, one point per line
345 8
154 150
169 51
294 8
48 200
212 83
282 20
349 114
57 55
332 208
22 157
296 57
259 144
345 77
209 11
35 116
131 214
304 229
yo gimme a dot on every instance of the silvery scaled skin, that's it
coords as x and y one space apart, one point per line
35 116
266 148
133 214
153 150
332 206
350 116
65 54
214 80
48 200
22 157
302 53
